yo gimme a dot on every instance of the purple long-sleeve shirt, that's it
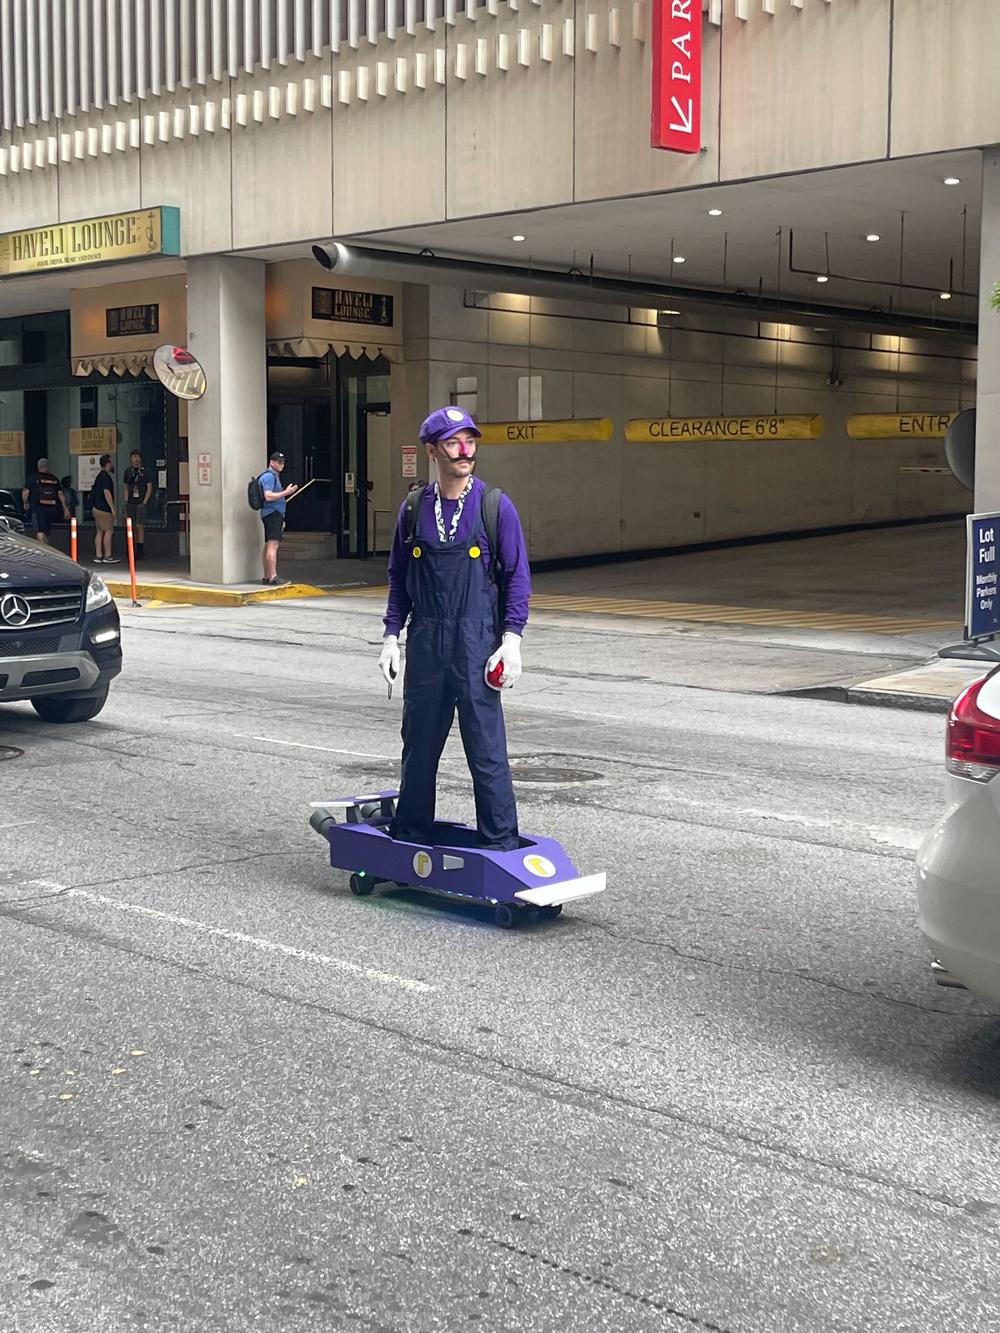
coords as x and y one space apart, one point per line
515 575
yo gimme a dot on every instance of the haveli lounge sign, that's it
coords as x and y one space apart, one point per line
103 240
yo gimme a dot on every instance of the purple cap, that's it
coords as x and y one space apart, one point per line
446 421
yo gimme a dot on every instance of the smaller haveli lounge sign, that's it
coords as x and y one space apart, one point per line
342 306
129 321
92 439
150 231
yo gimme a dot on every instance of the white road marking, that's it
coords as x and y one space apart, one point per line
327 749
254 941
22 823
45 884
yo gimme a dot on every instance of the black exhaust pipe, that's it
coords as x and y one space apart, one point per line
322 822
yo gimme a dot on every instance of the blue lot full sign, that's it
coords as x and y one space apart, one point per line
982 579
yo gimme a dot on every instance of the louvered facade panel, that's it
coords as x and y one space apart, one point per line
61 57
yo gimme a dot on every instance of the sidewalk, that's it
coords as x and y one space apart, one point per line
930 688
171 582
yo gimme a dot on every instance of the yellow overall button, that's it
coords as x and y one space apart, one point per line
475 552
417 552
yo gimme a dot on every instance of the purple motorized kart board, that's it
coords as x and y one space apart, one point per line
536 877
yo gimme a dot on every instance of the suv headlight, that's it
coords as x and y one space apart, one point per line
97 593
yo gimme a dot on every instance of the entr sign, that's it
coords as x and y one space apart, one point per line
900 425
349 307
151 231
676 121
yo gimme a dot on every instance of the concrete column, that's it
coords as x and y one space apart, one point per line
225 304
988 367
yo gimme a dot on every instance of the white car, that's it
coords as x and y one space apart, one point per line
958 866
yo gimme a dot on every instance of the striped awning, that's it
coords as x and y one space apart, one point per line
115 363
320 347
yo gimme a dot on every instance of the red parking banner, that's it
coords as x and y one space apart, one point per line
676 123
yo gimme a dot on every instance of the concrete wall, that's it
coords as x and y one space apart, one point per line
801 89
582 498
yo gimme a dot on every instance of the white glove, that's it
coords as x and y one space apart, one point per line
510 653
388 663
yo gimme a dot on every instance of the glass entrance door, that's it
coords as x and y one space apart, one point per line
365 456
301 430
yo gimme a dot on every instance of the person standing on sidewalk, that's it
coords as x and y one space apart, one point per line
272 514
102 506
466 600
138 488
44 500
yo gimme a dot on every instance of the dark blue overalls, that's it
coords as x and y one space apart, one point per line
454 628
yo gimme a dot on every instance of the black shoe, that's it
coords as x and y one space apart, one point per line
274 583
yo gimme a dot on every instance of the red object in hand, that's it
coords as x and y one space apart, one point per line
493 677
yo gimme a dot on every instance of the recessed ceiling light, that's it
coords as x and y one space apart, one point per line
873 236
946 296
952 180
680 259
715 212
518 237
822 278
668 312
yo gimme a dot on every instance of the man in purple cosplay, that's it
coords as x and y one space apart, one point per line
466 600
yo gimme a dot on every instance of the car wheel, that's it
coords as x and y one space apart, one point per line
54 708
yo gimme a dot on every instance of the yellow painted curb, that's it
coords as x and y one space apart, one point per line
192 595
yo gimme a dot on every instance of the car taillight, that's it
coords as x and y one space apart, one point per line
973 741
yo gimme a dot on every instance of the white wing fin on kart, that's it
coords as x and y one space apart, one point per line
550 895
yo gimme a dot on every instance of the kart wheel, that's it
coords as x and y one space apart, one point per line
362 885
550 913
505 916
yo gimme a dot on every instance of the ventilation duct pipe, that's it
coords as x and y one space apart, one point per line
424 266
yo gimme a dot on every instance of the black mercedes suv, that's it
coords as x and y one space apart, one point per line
60 638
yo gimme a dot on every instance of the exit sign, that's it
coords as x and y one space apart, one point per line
676 120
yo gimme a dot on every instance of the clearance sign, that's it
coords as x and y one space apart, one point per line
677 75
645 431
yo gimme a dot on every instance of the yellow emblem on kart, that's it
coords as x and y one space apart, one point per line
417 552
475 552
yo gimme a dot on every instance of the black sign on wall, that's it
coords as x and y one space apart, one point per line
344 307
127 320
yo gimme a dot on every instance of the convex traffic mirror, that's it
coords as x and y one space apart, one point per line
179 372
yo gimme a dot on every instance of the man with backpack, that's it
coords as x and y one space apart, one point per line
459 576
44 499
272 512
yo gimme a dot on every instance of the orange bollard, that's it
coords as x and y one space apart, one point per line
131 561
72 539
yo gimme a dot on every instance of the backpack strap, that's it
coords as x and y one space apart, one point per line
491 522
412 502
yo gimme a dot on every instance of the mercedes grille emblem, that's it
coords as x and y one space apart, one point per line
14 610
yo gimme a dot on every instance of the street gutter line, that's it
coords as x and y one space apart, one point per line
237 937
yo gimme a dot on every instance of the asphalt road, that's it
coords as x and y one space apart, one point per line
724 1095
